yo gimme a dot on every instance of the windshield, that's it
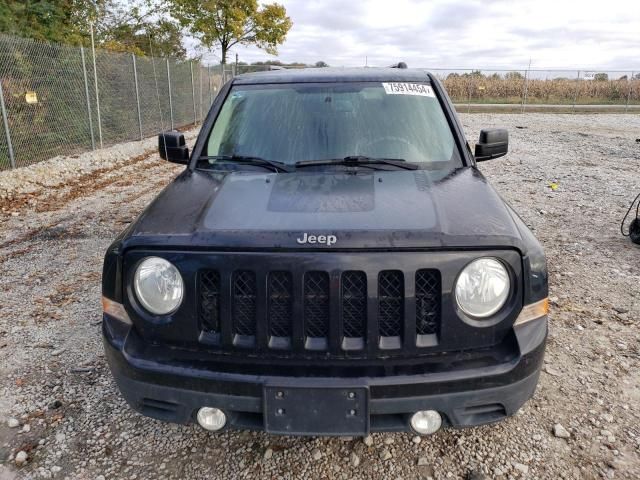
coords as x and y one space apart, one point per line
294 123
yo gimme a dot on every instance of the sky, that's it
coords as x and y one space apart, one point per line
588 34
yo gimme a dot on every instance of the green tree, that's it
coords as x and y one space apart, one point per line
601 77
474 73
513 76
44 20
278 63
119 26
136 27
232 22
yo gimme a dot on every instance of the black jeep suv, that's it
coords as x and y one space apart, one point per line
330 262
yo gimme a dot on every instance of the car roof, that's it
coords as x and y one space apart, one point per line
319 75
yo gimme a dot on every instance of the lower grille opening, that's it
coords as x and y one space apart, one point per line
247 420
391 422
158 408
487 413
159 404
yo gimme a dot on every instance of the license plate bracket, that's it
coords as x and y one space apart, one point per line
317 411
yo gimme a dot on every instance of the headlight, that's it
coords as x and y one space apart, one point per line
483 287
158 285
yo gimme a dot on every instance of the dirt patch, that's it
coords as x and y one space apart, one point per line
56 197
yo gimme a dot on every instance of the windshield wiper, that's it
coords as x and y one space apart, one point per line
250 160
356 160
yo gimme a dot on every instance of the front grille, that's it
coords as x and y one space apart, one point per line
280 303
316 304
320 310
354 304
427 301
390 303
244 303
210 301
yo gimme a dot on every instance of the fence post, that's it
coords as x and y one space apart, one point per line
469 94
575 96
630 82
193 96
526 90
95 80
135 81
5 120
86 92
209 83
170 100
201 99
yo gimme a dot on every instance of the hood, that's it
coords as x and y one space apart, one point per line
378 209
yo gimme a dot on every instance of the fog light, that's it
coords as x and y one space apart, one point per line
212 419
426 422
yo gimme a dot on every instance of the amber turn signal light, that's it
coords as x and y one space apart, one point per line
115 310
533 311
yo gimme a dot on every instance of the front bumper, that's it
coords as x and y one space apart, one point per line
468 395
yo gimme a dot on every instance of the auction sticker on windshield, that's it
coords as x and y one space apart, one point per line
408 89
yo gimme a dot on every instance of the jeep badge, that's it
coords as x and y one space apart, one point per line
328 240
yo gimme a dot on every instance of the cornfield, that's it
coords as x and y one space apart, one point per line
477 88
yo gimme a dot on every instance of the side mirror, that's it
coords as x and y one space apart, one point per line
493 143
173 148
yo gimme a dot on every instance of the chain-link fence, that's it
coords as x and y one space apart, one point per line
58 99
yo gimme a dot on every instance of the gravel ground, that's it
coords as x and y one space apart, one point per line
62 417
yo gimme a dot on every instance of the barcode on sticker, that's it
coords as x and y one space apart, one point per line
395 88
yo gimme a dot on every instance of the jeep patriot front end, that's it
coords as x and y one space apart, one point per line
330 262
